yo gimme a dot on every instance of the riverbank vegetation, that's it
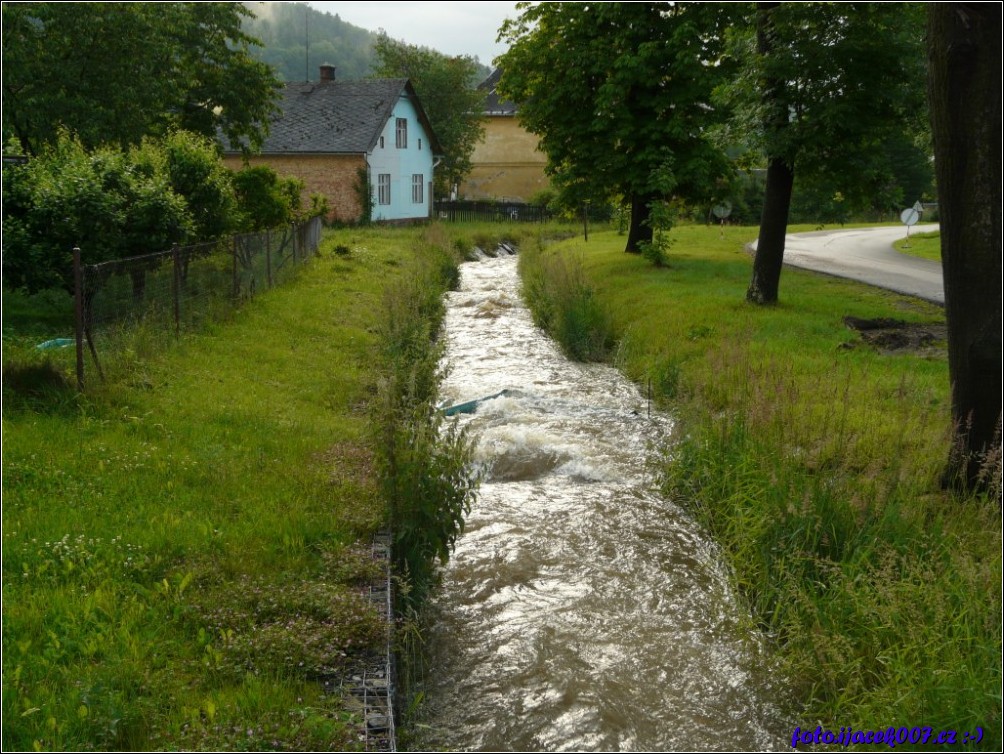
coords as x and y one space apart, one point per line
814 459
186 544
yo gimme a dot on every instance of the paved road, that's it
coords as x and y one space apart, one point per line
866 254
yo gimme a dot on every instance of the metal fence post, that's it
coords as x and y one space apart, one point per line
78 314
237 285
176 288
268 257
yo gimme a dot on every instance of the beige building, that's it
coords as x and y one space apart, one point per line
508 166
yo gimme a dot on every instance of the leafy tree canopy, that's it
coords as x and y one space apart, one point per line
620 95
446 87
824 90
116 72
850 81
111 203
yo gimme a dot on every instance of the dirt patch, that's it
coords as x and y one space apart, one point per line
896 336
349 462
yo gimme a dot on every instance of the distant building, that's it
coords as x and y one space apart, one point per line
507 162
344 139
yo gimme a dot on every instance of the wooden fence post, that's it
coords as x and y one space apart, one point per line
237 284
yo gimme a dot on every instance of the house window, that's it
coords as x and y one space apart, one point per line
418 189
381 142
419 145
383 188
402 133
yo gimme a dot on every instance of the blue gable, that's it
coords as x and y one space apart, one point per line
400 166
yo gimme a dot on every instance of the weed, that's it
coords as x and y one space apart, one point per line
565 305
425 465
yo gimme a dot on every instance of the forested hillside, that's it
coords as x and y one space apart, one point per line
297 39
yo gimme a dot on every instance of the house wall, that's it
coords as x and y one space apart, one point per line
507 163
401 165
333 175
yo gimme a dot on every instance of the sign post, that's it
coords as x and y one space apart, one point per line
722 211
909 217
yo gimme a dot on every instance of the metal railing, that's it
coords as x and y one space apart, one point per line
514 212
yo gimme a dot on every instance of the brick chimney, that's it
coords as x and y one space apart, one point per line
327 72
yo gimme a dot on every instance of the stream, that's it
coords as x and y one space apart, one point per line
580 610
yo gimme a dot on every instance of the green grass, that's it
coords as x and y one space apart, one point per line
181 558
924 245
814 461
184 558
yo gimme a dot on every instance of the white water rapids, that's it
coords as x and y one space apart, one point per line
580 610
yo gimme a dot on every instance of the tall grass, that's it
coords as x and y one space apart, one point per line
564 304
425 465
815 462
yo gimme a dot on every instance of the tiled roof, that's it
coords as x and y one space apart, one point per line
493 105
333 116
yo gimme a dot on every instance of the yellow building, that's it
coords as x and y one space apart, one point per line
508 166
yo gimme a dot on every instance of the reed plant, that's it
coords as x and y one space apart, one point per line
564 304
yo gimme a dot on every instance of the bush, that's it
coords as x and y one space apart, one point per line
265 199
112 204
196 172
426 467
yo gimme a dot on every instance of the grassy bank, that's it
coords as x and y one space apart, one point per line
185 546
814 458
925 245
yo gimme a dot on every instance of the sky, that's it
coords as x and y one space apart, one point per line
453 28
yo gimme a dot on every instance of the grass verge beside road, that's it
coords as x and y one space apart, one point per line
924 245
814 460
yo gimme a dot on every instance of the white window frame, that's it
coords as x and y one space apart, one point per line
383 188
401 133
417 188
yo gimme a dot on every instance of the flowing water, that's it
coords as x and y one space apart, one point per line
580 610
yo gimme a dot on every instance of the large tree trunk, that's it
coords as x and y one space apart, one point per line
640 230
780 176
965 95
773 226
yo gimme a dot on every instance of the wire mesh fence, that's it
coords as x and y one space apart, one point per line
187 285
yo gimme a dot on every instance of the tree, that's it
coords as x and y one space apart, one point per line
965 96
112 73
446 88
619 94
822 89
